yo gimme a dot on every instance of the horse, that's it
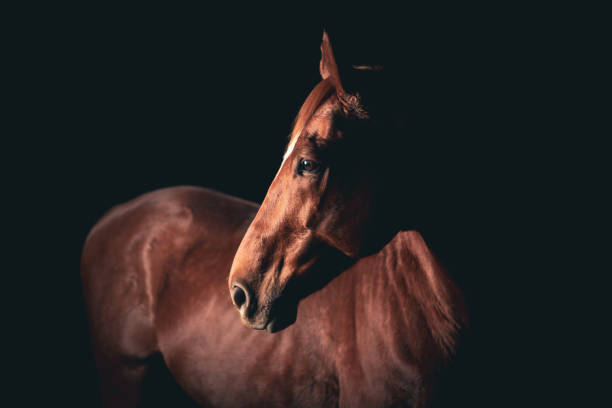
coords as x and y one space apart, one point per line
339 303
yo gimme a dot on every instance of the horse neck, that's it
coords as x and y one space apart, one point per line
411 276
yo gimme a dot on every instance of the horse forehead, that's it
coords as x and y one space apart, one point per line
320 123
321 127
327 109
322 120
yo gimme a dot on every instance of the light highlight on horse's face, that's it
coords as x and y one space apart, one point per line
318 202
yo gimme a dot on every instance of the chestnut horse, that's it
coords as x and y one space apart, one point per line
378 318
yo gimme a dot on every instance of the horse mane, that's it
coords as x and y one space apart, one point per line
440 299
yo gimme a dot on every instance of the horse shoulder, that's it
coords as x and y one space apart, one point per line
131 252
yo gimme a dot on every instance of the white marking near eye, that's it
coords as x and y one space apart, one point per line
288 152
290 148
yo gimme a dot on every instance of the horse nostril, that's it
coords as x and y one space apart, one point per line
239 296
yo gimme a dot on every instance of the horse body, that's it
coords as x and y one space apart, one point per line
378 318
155 279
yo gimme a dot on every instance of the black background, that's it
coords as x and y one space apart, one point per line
116 102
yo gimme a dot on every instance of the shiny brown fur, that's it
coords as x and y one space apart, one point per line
148 267
155 280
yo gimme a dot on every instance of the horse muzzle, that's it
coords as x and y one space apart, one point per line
271 315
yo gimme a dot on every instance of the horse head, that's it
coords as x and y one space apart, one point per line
326 201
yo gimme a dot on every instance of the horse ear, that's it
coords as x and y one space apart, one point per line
327 66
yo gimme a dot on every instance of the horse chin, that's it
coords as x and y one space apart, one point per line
279 323
282 315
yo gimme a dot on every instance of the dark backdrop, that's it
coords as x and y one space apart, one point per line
122 101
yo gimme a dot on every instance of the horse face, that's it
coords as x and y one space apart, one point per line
320 203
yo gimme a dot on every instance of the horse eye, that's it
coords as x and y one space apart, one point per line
308 166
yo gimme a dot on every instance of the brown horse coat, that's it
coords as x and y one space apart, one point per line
155 281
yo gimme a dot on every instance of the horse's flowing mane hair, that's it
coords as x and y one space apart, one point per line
437 294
